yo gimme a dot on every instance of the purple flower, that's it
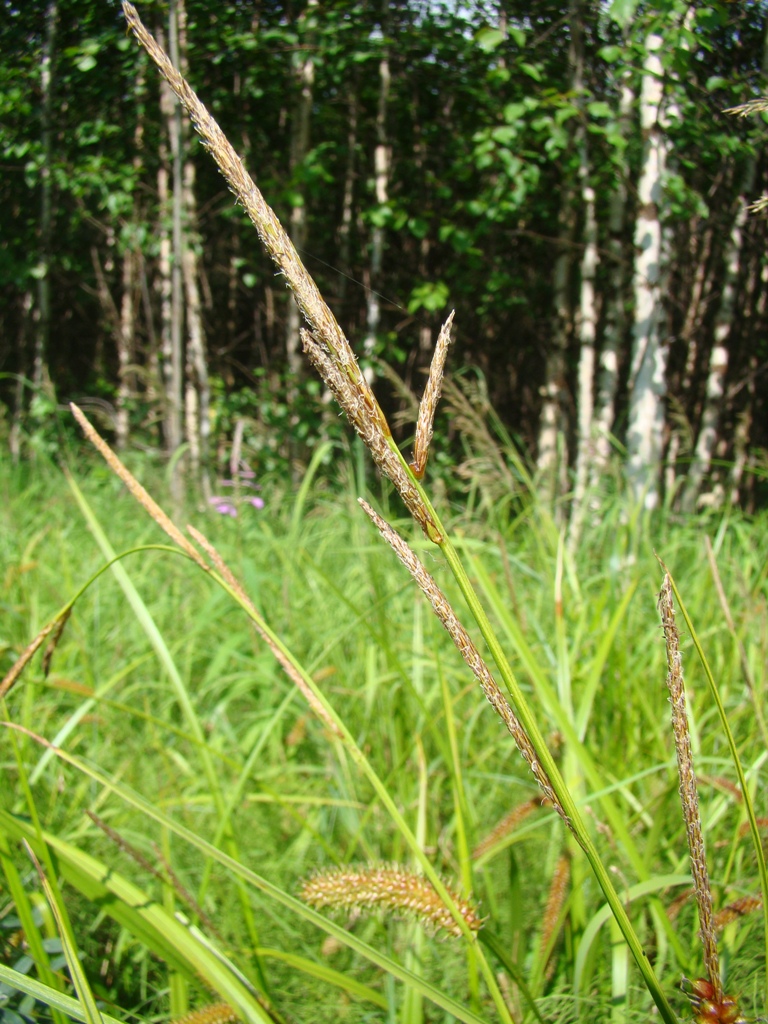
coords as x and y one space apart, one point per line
256 502
223 507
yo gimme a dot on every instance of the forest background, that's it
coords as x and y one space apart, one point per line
562 174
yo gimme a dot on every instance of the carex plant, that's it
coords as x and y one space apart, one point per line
389 888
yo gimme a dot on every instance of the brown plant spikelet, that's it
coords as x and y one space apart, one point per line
390 888
508 824
739 908
689 794
215 1013
558 890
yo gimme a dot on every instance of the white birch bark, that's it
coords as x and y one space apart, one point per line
615 316
176 376
197 391
347 204
680 439
552 459
197 398
169 267
305 76
741 483
718 359
43 311
586 373
381 162
22 342
647 378
126 335
125 346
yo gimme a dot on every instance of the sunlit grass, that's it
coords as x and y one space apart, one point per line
583 636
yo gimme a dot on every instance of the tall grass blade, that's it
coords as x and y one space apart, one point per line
645 888
151 924
155 637
57 1001
748 802
76 973
142 916
32 932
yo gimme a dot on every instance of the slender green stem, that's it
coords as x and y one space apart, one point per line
748 802
547 762
362 762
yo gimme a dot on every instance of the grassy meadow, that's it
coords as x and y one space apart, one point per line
217 791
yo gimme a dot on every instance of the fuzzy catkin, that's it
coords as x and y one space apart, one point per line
390 888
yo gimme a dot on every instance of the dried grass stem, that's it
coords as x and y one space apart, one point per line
689 795
469 652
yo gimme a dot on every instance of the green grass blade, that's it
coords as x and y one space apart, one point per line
645 888
329 976
155 637
146 919
76 973
530 725
151 924
748 803
598 662
51 997
28 924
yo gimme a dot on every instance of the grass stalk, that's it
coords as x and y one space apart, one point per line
78 867
330 353
570 811
748 802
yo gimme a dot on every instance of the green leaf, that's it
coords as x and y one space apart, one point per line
532 70
716 82
76 972
504 135
430 296
622 11
610 54
513 112
418 227
599 108
146 919
489 38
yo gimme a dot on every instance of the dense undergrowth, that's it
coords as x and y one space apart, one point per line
582 633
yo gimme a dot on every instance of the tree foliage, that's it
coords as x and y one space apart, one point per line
483 124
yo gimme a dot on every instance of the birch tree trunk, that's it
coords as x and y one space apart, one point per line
176 133
718 359
552 458
126 335
698 253
347 205
647 378
43 312
125 348
23 348
169 263
742 483
382 162
587 327
615 316
586 373
304 70
197 397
